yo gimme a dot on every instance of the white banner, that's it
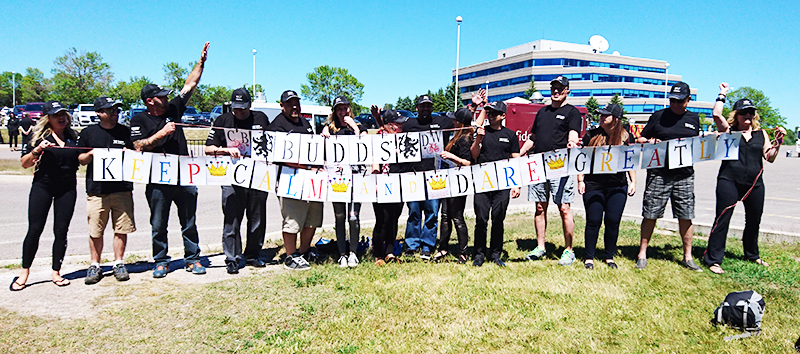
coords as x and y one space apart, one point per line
107 165
136 166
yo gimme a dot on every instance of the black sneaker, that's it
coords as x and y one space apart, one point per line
296 262
93 275
256 262
499 262
120 272
232 267
478 260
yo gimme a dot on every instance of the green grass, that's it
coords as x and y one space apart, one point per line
416 307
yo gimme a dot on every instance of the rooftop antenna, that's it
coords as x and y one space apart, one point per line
598 43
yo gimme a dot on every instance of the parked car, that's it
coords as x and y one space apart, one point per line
85 115
408 114
35 109
216 112
135 110
191 116
19 110
366 120
206 116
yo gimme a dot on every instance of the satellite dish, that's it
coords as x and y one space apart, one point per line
598 43
615 53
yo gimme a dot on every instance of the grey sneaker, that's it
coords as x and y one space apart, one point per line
691 266
567 258
641 263
120 272
537 253
93 275
296 262
352 260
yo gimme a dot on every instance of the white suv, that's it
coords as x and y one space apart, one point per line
85 115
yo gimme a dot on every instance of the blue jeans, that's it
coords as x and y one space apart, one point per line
422 235
159 198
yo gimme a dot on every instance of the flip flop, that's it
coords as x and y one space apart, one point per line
62 282
761 262
11 286
439 256
716 269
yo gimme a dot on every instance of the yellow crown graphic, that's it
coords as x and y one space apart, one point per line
556 162
338 186
217 168
437 184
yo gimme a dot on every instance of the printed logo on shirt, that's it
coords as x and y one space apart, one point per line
689 125
434 126
503 140
309 130
118 142
257 126
558 116
135 129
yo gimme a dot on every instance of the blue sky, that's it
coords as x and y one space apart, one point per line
405 48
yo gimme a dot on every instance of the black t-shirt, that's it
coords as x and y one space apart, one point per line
144 125
601 181
55 165
552 126
461 147
95 136
665 125
423 125
26 123
13 126
286 125
255 121
498 144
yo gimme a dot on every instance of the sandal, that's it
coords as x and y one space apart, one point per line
612 264
20 285
588 265
761 262
439 256
391 259
462 259
379 262
61 282
716 269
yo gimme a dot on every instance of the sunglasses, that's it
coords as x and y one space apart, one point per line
111 110
747 112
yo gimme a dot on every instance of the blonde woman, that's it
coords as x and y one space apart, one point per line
740 179
54 183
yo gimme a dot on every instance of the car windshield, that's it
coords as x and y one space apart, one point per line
191 110
87 108
34 108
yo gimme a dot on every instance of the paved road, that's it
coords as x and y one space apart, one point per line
781 213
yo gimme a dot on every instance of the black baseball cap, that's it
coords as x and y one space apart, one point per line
423 99
744 103
52 107
561 80
679 91
153 90
392 116
287 95
612 109
240 98
499 106
463 116
340 100
104 102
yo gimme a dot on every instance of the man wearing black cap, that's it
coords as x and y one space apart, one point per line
106 200
299 216
556 126
236 199
155 130
422 236
664 184
492 143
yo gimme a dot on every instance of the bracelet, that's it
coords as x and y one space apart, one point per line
721 99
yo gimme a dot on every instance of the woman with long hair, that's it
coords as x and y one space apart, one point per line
13 130
457 151
740 180
604 195
55 161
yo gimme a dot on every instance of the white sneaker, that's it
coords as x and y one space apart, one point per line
352 261
343 262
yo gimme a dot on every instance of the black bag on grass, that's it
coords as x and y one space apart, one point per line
741 310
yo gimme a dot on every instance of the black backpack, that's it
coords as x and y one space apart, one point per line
741 310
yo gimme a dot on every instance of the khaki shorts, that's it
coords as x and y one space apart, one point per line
117 205
299 214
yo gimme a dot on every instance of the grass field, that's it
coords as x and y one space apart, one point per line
417 307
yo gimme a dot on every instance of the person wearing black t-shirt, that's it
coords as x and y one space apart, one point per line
235 199
604 195
106 200
421 236
664 184
154 130
556 126
13 130
299 216
55 161
26 125
492 143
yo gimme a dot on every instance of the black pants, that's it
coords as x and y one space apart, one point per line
728 193
12 140
349 212
603 206
495 204
453 213
62 196
385 232
235 201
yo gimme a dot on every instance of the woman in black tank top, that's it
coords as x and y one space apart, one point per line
741 178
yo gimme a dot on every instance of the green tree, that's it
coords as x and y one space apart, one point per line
770 117
450 97
205 97
406 103
80 77
531 89
129 92
618 100
591 106
175 76
790 138
325 83
7 87
249 89
34 87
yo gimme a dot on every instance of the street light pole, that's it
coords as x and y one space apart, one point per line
254 71
458 49
666 87
14 86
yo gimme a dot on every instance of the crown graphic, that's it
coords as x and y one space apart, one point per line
217 168
437 184
556 162
339 186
